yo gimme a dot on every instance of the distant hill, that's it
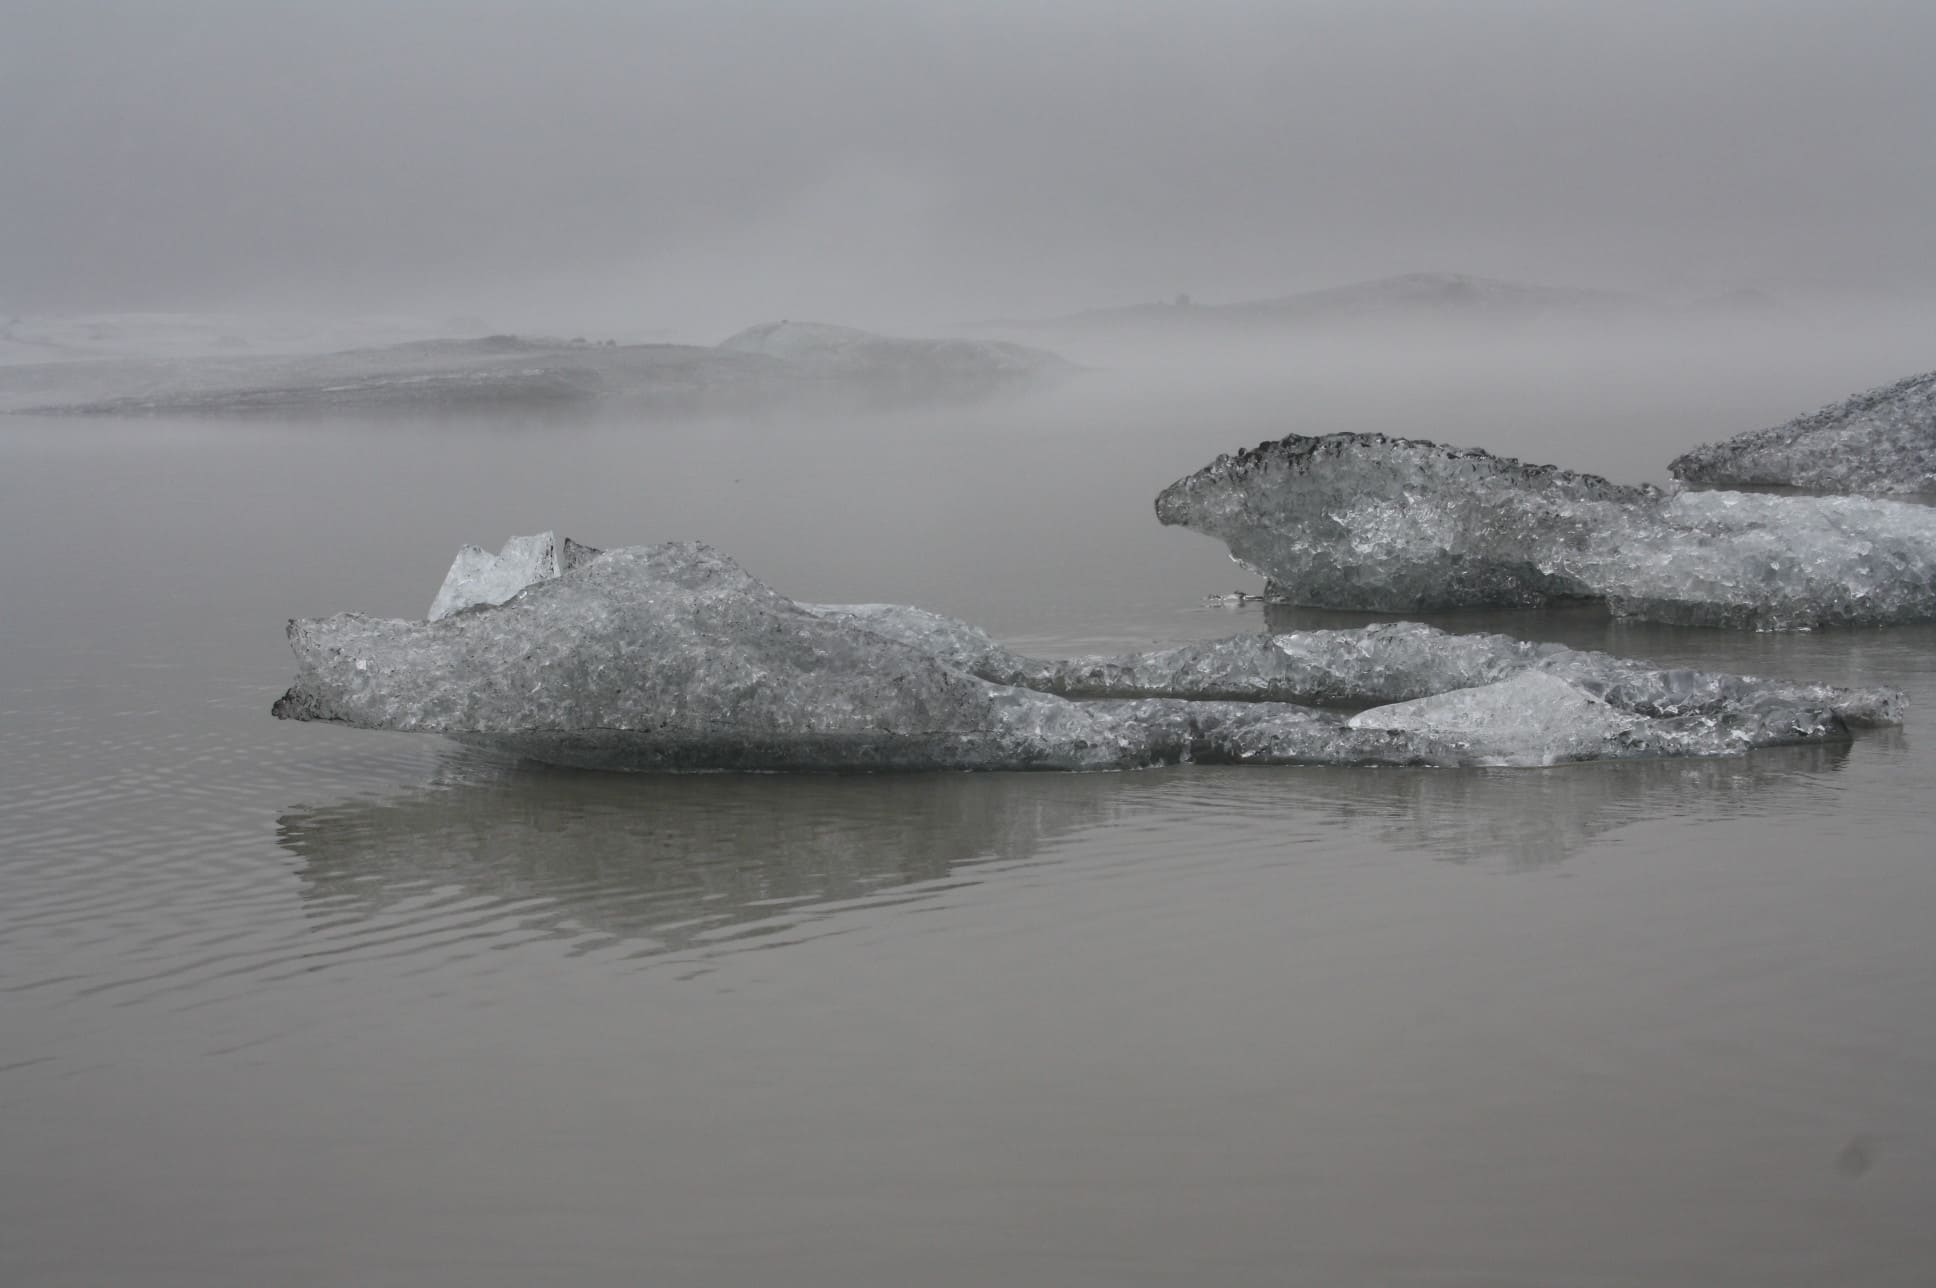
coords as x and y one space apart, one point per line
776 365
846 350
1409 297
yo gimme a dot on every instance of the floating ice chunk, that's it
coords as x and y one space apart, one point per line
1760 562
1534 715
673 657
1374 665
1392 662
1365 521
1876 443
1393 525
477 576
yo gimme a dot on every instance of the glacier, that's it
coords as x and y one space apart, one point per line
1396 525
1877 443
673 657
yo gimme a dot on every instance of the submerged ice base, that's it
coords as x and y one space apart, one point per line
1366 521
673 657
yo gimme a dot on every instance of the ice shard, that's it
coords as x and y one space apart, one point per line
1371 522
477 576
1878 443
674 657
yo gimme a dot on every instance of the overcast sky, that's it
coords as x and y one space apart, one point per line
715 163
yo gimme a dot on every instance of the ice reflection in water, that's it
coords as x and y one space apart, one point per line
679 864
697 865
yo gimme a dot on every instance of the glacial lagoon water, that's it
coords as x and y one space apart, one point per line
295 1004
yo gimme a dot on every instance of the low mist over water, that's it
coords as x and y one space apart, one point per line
924 304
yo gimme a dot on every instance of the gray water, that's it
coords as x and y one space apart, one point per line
295 1004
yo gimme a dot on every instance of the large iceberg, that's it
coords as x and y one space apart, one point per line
674 657
1875 443
1396 525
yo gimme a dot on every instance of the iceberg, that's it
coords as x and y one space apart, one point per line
1877 443
674 657
1396 525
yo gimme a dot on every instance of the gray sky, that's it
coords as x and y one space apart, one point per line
712 163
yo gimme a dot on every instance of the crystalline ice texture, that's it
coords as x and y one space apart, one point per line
1391 663
477 576
673 657
1365 521
1537 718
1760 562
1877 443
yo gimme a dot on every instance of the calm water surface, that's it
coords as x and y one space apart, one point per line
294 1004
